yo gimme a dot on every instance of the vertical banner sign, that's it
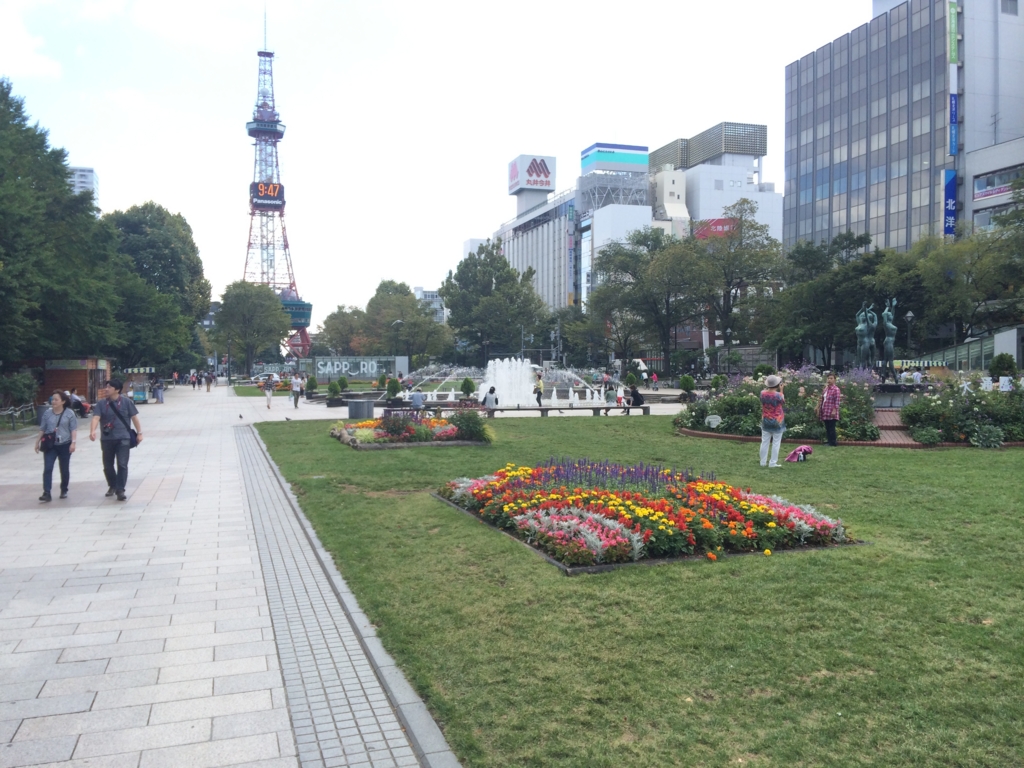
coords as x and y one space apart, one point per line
949 206
954 124
954 85
951 27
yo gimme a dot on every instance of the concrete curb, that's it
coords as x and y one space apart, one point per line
423 732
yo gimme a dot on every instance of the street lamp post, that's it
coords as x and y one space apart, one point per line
395 327
909 317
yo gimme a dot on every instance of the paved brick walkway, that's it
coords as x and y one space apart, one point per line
189 626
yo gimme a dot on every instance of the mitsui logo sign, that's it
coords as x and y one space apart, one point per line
538 168
531 172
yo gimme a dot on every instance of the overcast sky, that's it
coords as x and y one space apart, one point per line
401 116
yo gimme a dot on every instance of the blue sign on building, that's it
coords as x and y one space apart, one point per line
954 124
949 208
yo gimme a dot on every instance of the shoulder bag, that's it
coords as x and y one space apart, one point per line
133 436
49 439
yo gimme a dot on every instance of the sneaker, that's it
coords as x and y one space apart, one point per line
774 466
45 497
121 496
63 494
109 493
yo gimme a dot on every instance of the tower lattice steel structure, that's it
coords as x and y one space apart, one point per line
268 259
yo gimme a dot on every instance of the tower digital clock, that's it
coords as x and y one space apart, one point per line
266 196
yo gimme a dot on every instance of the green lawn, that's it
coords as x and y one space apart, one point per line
904 652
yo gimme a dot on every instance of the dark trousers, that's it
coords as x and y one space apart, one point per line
115 449
295 397
830 431
538 397
61 453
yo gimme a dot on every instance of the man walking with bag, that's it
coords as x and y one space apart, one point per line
111 416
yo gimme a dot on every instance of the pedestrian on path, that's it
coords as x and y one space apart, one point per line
193 380
491 399
654 382
538 388
209 380
111 417
268 390
58 431
158 391
773 420
296 389
828 408
610 396
633 398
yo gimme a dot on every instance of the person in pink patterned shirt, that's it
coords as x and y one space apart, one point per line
828 409
773 420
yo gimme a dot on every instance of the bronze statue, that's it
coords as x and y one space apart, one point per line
866 323
890 338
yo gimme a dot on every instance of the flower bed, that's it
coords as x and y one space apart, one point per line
951 415
412 427
738 404
583 513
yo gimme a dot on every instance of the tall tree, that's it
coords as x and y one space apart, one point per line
57 261
489 301
728 265
252 318
164 254
342 331
155 331
649 277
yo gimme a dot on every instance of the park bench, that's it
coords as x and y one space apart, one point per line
595 409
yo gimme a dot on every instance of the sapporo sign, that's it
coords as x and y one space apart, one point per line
353 367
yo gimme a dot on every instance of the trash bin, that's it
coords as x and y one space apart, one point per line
360 409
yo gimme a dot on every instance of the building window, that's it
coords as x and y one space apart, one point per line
984 220
719 185
998 183
1010 6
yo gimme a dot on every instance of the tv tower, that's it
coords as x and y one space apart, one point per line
268 260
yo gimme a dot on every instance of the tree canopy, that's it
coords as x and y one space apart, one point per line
252 318
394 322
128 286
491 304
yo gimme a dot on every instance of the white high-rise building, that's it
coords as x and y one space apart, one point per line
85 180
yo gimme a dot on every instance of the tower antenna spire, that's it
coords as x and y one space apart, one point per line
264 26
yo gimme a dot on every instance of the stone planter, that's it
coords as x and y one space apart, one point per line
335 402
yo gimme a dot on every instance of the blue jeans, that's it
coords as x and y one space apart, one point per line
61 453
120 450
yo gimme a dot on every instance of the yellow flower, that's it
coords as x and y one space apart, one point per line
771 525
767 553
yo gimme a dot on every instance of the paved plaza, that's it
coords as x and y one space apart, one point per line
200 623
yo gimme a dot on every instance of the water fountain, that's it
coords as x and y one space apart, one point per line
512 379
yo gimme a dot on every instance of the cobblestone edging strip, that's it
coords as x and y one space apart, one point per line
350 704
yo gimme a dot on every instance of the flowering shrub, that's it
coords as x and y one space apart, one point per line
739 406
397 428
587 513
959 415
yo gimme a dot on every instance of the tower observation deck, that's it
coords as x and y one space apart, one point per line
268 259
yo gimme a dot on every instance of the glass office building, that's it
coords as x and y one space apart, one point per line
867 138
